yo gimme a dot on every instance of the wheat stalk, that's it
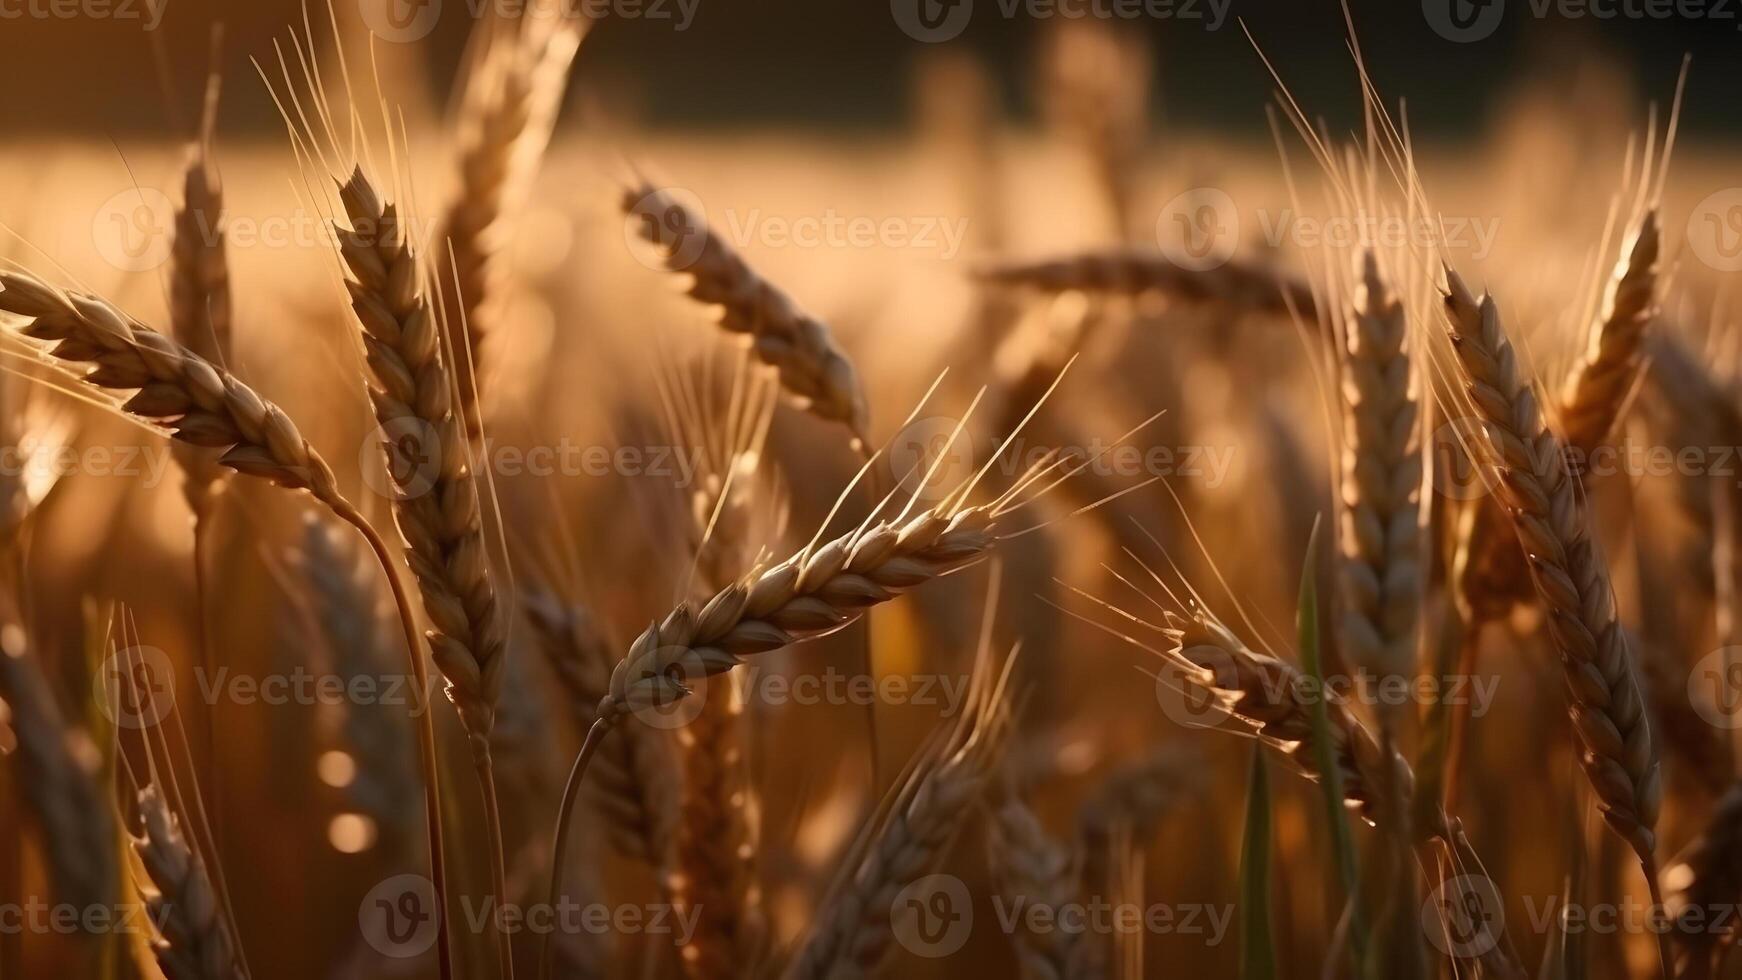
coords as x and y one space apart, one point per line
851 933
1380 577
1233 284
508 109
194 940
1571 578
442 523
199 403
800 347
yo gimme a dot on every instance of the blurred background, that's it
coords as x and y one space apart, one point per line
1020 137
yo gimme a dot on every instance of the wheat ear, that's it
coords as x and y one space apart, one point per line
1599 385
1233 284
852 931
199 293
1136 796
202 404
57 766
1030 867
508 109
1571 578
437 507
633 788
194 939
1380 573
1494 577
1268 694
1703 881
342 597
812 368
200 319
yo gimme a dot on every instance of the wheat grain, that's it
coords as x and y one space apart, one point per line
799 346
1598 386
1269 694
508 108
437 507
851 933
194 941
1380 578
199 302
195 401
1571 578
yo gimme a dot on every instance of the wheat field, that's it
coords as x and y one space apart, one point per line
461 519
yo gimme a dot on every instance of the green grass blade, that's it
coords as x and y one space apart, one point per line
1257 955
1331 778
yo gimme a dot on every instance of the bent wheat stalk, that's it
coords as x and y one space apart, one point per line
1570 576
633 788
799 346
436 506
821 590
196 402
